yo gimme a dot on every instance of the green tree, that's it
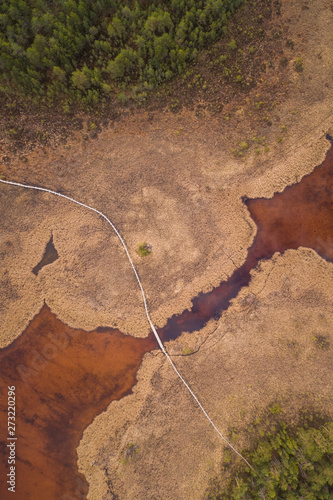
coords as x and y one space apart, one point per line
123 64
158 23
80 80
58 74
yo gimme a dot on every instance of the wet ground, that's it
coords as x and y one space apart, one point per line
64 377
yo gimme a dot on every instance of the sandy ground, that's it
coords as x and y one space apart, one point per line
174 183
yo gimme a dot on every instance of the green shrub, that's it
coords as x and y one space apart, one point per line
299 65
232 45
275 409
144 249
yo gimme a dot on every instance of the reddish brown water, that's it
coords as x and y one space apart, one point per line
65 377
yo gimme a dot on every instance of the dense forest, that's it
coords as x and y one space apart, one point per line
286 465
85 50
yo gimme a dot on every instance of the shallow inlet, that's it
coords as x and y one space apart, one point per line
64 377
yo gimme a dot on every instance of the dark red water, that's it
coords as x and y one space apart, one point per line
64 377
